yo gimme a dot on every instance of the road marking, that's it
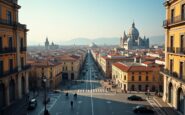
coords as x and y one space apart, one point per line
91 93
155 106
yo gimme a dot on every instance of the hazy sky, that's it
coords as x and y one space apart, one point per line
62 20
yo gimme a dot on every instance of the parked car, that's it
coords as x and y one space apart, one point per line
46 101
135 98
57 91
143 109
32 104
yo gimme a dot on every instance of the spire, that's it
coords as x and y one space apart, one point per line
133 24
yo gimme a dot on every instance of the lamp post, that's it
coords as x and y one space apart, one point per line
46 112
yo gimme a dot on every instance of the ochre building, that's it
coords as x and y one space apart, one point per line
174 72
13 43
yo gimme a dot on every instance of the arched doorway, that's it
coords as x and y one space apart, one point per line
23 85
65 76
180 100
2 95
12 90
170 93
133 88
72 76
146 87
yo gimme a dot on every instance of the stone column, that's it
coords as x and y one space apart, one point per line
27 82
7 101
165 86
19 86
18 52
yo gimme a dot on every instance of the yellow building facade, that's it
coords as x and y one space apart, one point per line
135 77
13 43
52 72
174 72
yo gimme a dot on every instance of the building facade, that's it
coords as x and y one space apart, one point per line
174 72
136 77
132 40
51 70
13 48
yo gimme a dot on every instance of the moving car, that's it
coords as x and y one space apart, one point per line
143 109
135 98
32 104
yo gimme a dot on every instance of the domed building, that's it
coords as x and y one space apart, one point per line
132 40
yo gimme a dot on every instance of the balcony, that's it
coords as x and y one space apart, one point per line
171 49
175 21
12 24
14 70
7 50
23 49
180 51
9 72
173 75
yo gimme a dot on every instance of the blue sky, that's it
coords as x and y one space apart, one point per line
62 20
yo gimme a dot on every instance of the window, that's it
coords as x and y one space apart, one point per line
132 78
171 66
125 77
72 63
63 68
146 78
22 62
181 43
172 15
1 67
0 12
139 87
183 12
139 78
9 17
1 43
181 70
22 43
171 43
10 42
71 68
10 65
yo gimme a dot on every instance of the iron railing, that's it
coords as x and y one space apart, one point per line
174 75
12 23
23 49
174 20
171 49
180 50
7 50
14 70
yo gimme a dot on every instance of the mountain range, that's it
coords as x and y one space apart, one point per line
110 41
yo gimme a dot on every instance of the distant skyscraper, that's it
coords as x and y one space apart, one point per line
132 40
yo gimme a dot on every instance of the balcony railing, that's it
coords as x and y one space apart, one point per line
14 70
171 49
9 72
12 23
180 50
175 20
23 49
7 50
176 50
173 75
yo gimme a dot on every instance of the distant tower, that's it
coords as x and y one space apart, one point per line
47 44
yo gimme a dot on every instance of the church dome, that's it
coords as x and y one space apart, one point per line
133 31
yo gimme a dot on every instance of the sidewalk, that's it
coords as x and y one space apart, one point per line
164 106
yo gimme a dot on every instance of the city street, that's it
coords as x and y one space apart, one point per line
92 98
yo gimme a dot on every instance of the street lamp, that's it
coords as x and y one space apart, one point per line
46 112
